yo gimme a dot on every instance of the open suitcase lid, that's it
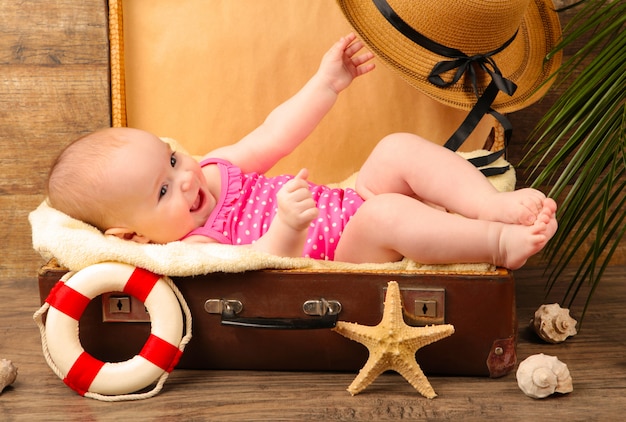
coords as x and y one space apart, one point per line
207 72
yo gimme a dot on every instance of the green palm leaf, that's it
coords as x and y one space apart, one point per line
578 149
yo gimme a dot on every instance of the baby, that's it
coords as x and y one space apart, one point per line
130 184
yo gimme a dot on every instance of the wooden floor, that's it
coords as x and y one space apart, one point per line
596 359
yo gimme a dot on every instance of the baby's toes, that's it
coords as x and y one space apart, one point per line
528 218
532 205
528 215
550 205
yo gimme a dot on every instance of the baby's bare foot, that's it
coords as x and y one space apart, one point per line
520 242
522 206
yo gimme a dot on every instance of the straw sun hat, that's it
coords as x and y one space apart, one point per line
505 41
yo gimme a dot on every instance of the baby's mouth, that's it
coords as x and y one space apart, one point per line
197 204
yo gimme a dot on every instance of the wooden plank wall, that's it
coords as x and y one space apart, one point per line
54 86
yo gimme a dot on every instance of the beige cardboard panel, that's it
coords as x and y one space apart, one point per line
206 72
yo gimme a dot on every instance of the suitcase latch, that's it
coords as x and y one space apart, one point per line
424 306
121 307
428 306
223 306
321 307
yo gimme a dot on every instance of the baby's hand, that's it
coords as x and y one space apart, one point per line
341 64
296 206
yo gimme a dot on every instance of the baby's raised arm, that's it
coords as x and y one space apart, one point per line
292 121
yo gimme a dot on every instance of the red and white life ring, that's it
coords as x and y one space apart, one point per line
86 374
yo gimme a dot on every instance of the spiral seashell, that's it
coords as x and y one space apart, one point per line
8 373
553 323
540 375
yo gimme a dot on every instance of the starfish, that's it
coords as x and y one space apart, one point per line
392 345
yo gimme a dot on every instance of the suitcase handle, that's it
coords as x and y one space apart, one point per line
324 314
325 321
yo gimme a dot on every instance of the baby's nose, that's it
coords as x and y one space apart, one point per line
186 181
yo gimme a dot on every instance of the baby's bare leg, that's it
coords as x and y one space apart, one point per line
407 164
390 226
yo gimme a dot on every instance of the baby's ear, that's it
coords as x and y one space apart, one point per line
126 234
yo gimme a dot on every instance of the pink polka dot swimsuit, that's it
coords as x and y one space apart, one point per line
248 204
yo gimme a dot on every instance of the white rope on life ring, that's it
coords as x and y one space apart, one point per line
113 381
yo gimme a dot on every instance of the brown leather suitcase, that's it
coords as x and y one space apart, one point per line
281 319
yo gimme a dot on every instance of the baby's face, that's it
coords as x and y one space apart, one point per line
161 194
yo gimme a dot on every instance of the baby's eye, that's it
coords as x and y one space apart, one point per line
173 159
163 191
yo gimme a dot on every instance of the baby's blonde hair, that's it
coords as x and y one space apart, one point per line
77 175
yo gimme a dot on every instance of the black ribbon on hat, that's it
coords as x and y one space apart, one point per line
464 65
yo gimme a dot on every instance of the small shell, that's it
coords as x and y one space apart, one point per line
8 373
553 323
541 375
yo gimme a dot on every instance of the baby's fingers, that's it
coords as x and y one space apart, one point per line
309 215
302 174
297 183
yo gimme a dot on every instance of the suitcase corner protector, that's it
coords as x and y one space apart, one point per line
502 357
